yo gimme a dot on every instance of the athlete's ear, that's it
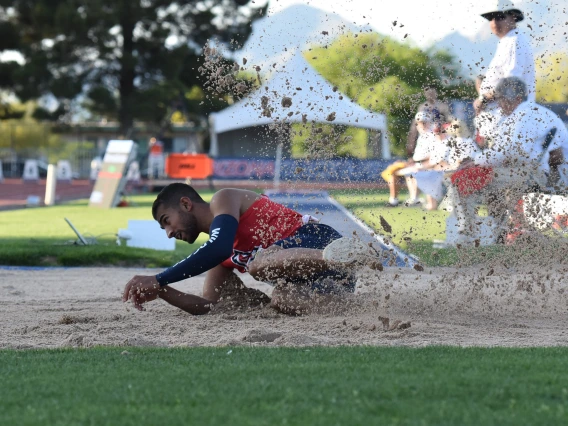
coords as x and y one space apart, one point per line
185 204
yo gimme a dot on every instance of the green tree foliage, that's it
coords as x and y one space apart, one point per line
387 76
552 77
132 59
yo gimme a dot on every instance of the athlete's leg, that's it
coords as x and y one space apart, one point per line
288 264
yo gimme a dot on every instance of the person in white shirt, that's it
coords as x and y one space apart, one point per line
513 57
486 119
451 147
460 145
518 161
426 138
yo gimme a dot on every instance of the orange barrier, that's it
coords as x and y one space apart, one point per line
194 166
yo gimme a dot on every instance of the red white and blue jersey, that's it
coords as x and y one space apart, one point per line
264 223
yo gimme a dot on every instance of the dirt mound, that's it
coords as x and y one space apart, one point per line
475 306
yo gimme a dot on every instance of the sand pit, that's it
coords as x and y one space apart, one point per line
81 307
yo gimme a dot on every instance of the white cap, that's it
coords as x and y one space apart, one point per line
501 6
423 117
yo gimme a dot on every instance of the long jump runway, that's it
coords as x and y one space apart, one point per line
320 205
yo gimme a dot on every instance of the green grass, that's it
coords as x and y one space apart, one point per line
413 229
290 386
31 237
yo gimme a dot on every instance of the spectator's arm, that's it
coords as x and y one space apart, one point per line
411 139
444 109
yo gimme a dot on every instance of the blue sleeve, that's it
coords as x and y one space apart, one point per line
218 248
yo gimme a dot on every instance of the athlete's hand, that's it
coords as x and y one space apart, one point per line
141 289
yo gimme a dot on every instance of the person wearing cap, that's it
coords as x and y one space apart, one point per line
513 57
525 151
485 120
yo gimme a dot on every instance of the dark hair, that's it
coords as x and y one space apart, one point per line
511 88
171 194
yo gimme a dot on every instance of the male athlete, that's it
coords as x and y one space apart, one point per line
250 233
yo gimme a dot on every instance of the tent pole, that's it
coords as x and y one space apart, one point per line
386 153
214 147
278 165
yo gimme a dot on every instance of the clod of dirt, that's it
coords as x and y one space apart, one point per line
418 267
286 102
385 225
396 325
261 336
331 117
385 321
69 319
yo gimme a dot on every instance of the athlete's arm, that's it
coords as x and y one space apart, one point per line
189 303
214 282
225 207
218 247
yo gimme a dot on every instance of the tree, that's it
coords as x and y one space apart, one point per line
129 59
387 76
552 74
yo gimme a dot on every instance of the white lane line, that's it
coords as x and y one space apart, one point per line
411 258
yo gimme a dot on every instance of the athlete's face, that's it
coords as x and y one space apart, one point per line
179 222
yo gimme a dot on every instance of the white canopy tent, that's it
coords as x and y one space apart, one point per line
312 98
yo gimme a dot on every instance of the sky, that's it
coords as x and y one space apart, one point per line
425 21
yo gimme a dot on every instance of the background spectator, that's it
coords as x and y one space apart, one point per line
513 57
517 161
155 159
438 111
392 173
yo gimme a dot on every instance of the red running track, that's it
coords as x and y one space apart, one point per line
15 192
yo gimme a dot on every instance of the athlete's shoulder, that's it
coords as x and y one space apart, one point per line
234 199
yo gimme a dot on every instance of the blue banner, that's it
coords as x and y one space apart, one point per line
333 170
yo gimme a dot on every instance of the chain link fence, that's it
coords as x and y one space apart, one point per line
21 141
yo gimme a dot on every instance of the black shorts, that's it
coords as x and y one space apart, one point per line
318 236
